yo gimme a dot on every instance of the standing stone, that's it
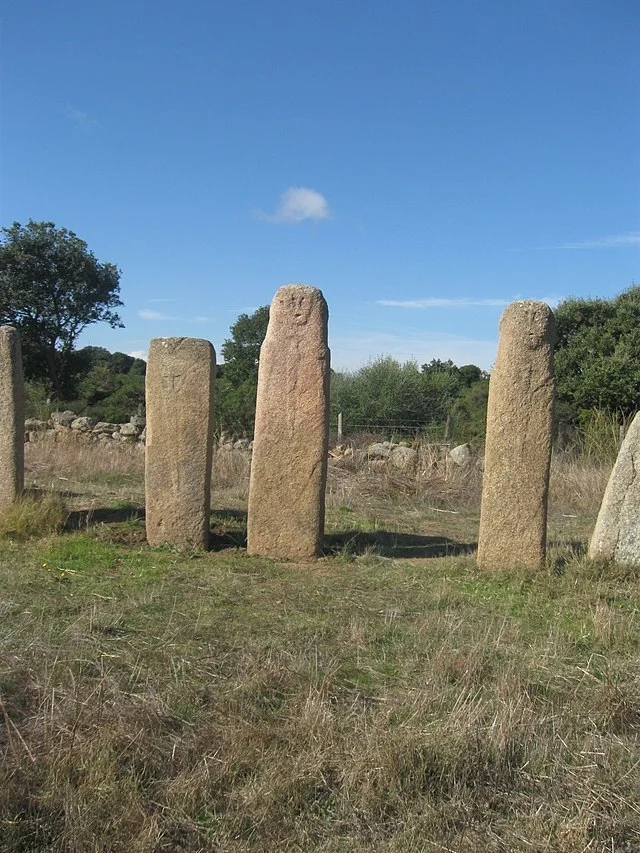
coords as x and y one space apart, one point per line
289 466
179 442
617 532
11 417
513 517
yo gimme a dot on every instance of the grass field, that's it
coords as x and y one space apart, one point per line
386 697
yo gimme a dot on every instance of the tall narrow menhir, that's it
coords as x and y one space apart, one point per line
180 393
289 465
513 517
11 417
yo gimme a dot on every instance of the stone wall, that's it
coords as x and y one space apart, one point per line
67 426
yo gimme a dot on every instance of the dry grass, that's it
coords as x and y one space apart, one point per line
86 475
578 483
435 479
152 700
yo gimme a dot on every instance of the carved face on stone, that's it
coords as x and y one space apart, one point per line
296 302
530 322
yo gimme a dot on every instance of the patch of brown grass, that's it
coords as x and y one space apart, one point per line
577 483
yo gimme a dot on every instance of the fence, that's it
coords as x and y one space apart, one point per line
404 428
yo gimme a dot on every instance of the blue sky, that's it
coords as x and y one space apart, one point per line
423 163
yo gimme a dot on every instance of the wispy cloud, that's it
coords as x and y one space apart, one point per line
437 302
296 205
461 302
145 314
613 242
80 118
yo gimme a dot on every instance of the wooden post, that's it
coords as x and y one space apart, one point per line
340 426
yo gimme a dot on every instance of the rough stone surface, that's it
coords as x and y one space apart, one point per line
129 430
82 424
380 450
403 458
105 428
617 532
461 455
289 466
63 419
513 518
179 445
11 417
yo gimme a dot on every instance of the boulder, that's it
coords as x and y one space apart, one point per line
380 450
129 430
404 458
62 419
461 455
105 428
82 424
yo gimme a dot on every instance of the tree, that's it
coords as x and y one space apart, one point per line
51 288
597 357
241 352
237 385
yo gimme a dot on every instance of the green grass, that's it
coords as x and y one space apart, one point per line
158 700
387 698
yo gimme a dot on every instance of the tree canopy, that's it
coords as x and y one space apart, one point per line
51 288
237 385
597 358
385 396
241 352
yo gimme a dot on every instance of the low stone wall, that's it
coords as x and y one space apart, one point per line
67 426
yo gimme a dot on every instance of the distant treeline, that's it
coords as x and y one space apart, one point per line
597 365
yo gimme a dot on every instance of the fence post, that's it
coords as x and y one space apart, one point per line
447 430
339 426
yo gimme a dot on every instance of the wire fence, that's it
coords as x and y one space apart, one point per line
408 429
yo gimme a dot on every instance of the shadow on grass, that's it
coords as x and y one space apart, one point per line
568 552
228 529
83 518
399 545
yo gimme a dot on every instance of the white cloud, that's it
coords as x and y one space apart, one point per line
145 314
463 302
83 120
139 353
296 205
437 302
613 242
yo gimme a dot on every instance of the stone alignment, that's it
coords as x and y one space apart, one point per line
11 417
617 532
179 445
289 465
513 517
